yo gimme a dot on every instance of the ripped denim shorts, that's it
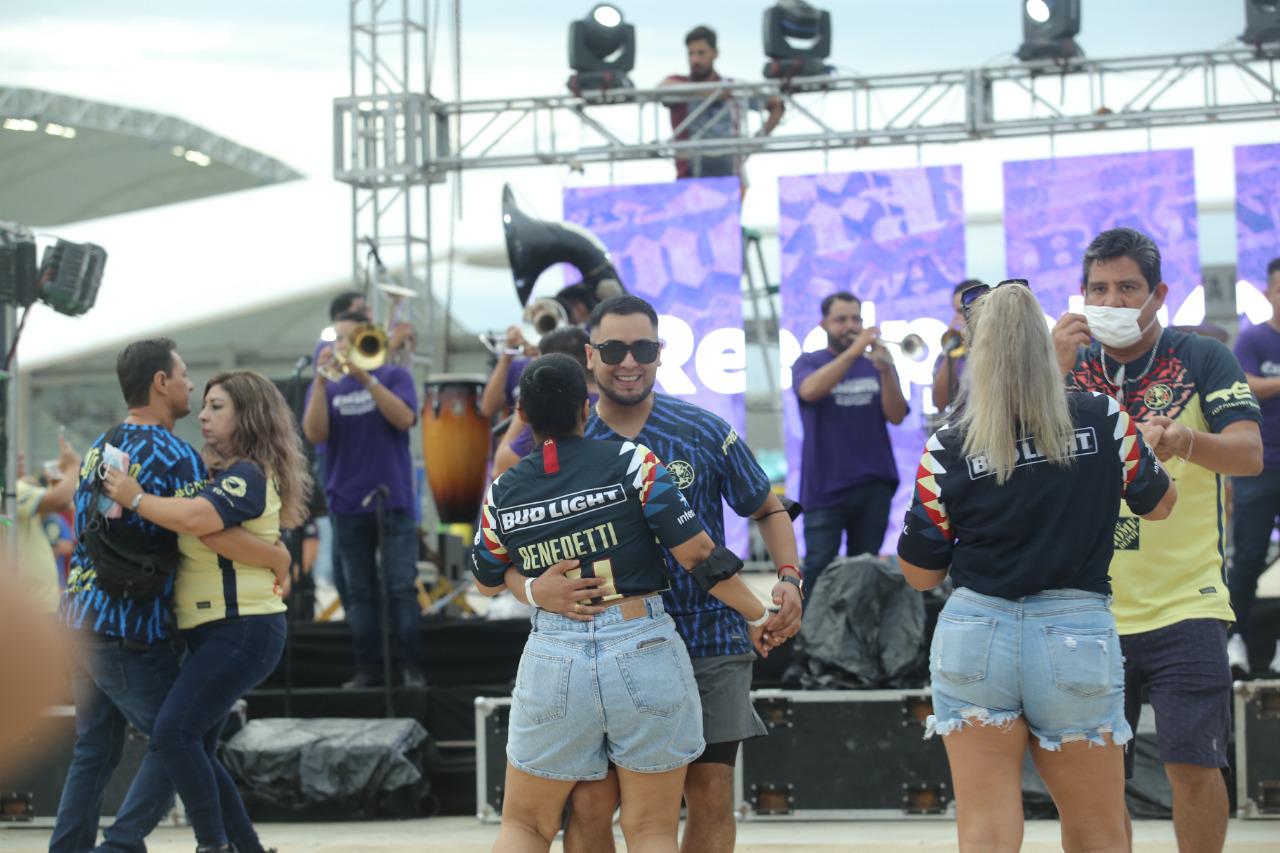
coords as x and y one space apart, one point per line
1053 658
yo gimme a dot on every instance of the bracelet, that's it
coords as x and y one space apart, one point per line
1191 445
787 566
137 500
528 592
756 623
373 380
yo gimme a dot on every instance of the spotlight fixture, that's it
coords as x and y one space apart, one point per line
602 49
797 40
67 279
1049 28
1261 22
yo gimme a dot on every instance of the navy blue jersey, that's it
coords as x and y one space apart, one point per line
163 465
712 465
610 505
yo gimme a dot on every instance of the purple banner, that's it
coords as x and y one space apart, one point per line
1257 211
1054 208
679 246
895 239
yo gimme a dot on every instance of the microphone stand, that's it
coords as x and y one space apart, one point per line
379 497
293 541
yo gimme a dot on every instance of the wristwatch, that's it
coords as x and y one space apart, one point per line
137 499
794 581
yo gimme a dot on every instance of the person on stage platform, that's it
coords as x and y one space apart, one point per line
711 465
364 419
503 386
1017 500
1256 502
128 655
848 394
232 615
610 682
1171 602
949 367
722 120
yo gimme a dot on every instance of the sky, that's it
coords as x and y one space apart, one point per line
264 74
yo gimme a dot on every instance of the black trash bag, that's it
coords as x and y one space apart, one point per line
332 768
863 628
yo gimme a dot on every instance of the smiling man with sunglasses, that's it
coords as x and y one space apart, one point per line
711 465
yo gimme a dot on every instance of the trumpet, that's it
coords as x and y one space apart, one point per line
953 343
366 351
912 346
542 316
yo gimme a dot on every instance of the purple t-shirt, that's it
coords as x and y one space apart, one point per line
364 450
514 371
846 438
1258 351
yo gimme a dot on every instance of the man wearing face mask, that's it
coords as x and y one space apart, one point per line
1171 603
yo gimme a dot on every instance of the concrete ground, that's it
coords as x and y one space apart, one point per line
467 835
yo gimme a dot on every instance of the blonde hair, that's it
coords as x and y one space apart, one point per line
1012 386
265 434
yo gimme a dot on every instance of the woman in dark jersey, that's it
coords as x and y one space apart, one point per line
1019 500
614 684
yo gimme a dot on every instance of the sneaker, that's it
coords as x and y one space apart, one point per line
363 679
411 676
1274 666
1238 655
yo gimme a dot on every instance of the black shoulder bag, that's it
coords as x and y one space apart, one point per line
129 562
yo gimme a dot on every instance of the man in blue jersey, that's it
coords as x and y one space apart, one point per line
128 658
710 463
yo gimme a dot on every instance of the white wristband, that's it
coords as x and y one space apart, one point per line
756 623
528 592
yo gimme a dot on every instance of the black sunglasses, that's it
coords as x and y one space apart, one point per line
613 352
970 295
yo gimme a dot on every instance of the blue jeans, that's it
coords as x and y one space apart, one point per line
114 687
863 516
357 538
226 660
1255 505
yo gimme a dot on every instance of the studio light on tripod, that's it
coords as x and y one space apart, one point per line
1261 22
797 40
1049 28
602 49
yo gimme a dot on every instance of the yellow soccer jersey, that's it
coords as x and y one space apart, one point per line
209 587
1165 572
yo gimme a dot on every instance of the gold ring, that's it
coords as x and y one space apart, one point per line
577 608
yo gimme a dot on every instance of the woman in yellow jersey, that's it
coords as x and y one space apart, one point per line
231 615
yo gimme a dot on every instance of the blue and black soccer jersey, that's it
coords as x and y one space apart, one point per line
710 462
608 504
164 465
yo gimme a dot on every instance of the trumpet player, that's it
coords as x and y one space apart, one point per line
848 393
950 364
364 414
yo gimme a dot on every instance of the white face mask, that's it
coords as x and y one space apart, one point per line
1117 327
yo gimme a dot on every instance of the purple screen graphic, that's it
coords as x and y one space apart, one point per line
1257 211
1054 208
893 238
679 246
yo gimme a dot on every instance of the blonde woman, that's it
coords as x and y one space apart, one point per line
1018 500
231 615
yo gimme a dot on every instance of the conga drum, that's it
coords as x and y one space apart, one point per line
455 445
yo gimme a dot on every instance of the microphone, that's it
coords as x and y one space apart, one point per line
301 365
373 250
380 490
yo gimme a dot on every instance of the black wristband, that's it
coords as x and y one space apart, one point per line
794 581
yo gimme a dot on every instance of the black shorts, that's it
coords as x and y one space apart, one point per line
1188 681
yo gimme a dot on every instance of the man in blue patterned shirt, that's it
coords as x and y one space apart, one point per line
128 658
710 463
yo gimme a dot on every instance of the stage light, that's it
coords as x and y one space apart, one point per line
60 130
1049 28
67 279
797 40
1261 22
602 49
21 124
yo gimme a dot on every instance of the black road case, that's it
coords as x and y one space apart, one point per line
1258 749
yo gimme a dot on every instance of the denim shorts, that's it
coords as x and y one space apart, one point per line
1053 658
588 693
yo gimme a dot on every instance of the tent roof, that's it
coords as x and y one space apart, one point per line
66 159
